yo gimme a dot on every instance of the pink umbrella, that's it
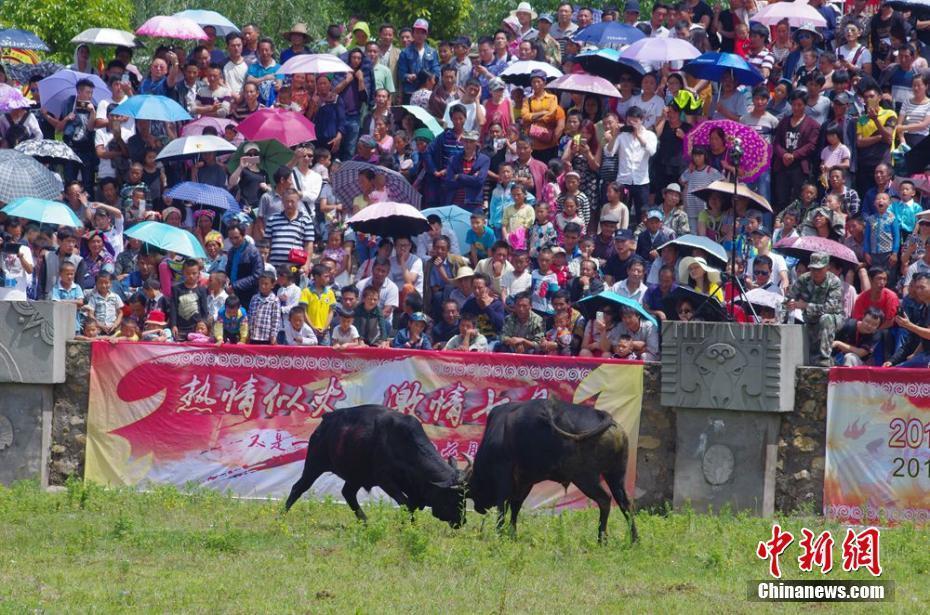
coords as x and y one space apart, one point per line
163 26
803 247
585 84
757 154
286 127
314 63
197 126
11 99
797 13
660 50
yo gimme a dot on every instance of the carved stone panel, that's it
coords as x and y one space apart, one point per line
32 340
730 366
25 411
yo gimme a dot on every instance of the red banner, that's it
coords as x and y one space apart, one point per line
238 417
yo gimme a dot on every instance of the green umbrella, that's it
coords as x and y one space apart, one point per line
423 117
273 154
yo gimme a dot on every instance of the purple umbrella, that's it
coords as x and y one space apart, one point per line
802 247
11 99
55 90
757 154
585 84
660 50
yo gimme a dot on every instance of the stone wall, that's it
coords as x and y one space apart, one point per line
799 480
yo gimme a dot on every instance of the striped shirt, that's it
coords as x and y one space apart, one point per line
287 234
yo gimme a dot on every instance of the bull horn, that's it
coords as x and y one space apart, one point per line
469 467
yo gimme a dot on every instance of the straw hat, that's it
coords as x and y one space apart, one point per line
297 28
464 272
524 7
683 276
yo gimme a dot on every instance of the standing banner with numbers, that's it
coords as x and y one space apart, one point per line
238 418
878 446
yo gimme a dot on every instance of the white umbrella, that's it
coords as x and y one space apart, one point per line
314 63
798 13
189 147
519 73
106 36
202 18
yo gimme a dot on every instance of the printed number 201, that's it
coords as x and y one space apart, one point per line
907 434
905 468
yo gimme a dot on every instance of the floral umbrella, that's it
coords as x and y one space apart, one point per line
757 154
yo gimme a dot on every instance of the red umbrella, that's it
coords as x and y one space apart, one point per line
284 126
802 247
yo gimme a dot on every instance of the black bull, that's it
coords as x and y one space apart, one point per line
529 442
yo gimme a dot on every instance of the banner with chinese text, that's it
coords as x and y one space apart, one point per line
238 418
878 446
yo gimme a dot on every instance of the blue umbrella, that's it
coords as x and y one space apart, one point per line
710 246
55 90
152 107
456 217
21 39
589 305
168 238
609 64
42 211
203 194
202 18
609 34
713 64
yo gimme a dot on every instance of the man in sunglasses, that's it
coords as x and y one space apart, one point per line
762 275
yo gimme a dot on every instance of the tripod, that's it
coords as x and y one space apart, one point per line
736 156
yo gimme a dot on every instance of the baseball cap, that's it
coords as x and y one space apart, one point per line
538 73
623 234
421 24
842 98
610 218
546 17
819 260
673 187
418 317
470 135
655 213
632 6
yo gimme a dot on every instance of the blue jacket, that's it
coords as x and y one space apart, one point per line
330 119
410 63
472 183
249 266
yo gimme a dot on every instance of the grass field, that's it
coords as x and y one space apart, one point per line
167 551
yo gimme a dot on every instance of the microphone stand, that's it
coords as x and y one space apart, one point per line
736 156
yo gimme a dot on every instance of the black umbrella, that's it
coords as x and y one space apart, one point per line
706 308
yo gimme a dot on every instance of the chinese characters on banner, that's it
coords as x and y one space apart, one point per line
877 467
238 418
860 550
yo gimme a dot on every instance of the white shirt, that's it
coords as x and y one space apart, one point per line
234 75
414 265
515 284
471 114
653 110
128 122
388 296
424 243
309 184
622 288
103 137
16 280
634 157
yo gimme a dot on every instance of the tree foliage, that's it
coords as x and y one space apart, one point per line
58 22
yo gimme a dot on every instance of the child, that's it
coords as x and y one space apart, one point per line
413 336
803 206
69 292
545 283
615 206
348 298
905 209
296 331
568 215
232 327
500 197
128 331
789 227
188 301
741 45
137 204
154 300
264 313
104 305
519 279
288 292
551 190
710 222
156 328
318 300
334 250
322 161
135 307
542 233
264 249
518 216
834 154
216 294
561 334
468 338
372 326
883 238
573 188
201 332
90 331
345 335
478 238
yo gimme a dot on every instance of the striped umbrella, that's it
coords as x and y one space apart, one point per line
21 175
345 183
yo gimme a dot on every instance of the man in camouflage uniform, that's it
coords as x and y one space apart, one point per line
819 295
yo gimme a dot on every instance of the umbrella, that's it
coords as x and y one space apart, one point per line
11 98
209 18
709 246
660 50
315 64
55 90
288 127
757 154
798 13
762 298
706 308
519 72
191 147
162 26
168 238
203 194
609 64
152 107
345 184
42 211
47 150
609 34
585 84
106 36
756 201
197 127
918 158
423 118
713 64
273 155
22 73
21 39
390 220
801 248
22 175
594 303
456 217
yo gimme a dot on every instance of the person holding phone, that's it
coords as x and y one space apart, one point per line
16 265
77 129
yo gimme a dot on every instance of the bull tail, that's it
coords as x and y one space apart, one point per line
578 437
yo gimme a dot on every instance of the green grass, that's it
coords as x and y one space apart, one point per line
167 551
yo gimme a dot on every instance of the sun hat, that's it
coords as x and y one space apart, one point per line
524 7
297 28
685 265
464 272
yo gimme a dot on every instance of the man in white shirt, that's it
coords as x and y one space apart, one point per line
109 148
635 146
235 69
633 287
388 294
